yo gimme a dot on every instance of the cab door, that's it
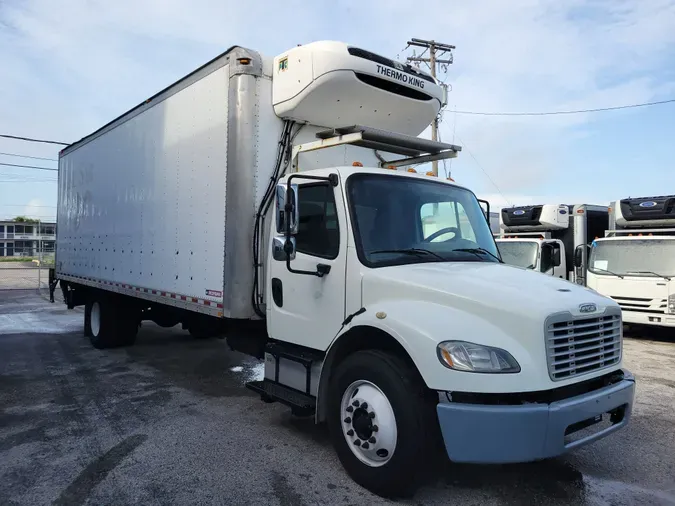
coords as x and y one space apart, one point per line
308 309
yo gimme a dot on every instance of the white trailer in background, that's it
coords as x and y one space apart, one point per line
634 263
242 197
551 238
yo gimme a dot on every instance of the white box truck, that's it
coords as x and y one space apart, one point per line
551 238
243 193
634 263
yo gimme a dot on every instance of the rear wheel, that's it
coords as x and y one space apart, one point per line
382 422
109 322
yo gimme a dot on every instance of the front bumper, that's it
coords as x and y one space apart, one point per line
487 434
638 318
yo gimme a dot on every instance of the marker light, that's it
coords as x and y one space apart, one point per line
357 164
412 170
244 61
430 173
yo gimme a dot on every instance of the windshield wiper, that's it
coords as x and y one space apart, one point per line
480 251
419 252
650 272
608 272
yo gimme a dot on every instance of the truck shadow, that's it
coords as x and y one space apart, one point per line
649 333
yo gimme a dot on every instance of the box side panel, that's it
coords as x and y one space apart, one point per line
144 203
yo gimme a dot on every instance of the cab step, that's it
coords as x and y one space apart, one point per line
300 403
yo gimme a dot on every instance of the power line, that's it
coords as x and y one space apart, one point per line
28 139
466 147
576 111
31 157
28 167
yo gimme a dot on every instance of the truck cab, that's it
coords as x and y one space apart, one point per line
551 238
634 263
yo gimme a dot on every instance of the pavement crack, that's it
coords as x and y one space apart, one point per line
79 489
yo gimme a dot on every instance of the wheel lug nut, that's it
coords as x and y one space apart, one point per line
349 409
348 420
365 446
372 441
350 432
355 404
371 414
375 428
364 405
357 442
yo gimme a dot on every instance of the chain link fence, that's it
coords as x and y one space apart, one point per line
27 268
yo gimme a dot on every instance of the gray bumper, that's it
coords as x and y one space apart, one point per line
505 434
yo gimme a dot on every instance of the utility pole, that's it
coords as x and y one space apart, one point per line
436 51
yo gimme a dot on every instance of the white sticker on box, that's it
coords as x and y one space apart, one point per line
600 264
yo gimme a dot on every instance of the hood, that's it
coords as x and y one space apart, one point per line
488 290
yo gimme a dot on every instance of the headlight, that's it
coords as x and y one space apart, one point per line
463 356
671 304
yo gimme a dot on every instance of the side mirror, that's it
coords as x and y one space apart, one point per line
557 259
283 249
282 216
546 257
579 255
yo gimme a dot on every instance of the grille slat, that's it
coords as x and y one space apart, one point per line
562 333
581 345
578 359
577 349
566 343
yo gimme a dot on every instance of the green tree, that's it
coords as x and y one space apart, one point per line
25 219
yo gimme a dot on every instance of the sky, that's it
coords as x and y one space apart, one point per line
68 67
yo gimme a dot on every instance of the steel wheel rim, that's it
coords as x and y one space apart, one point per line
370 431
95 319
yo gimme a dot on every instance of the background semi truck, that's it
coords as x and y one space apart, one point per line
551 238
634 263
243 200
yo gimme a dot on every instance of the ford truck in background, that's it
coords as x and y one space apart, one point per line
551 238
244 197
634 263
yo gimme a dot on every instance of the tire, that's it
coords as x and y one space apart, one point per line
390 466
87 318
109 322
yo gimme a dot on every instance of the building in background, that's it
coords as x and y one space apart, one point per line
26 239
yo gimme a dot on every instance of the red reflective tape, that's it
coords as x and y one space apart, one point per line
173 295
207 303
194 299
163 294
138 289
183 297
219 306
154 292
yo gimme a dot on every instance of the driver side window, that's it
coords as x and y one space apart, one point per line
442 215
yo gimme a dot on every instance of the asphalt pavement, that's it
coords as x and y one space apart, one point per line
168 421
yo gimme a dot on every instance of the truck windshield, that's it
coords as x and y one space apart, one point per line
400 220
634 257
519 253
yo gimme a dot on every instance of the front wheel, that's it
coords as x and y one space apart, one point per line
382 422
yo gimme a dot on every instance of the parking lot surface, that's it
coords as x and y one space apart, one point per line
168 421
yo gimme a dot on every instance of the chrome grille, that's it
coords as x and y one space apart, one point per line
582 345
